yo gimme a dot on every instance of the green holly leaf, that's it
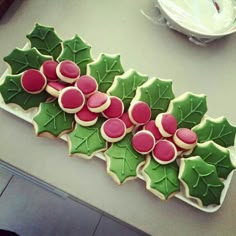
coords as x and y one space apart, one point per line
123 162
200 180
77 51
161 180
157 94
215 155
188 109
87 141
12 92
45 40
21 60
104 70
52 121
125 86
219 130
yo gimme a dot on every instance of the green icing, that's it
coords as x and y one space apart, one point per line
12 92
21 60
188 109
125 86
219 130
122 160
86 141
162 178
77 51
52 119
45 40
157 94
215 155
104 70
202 180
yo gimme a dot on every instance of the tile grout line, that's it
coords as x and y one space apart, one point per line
102 214
6 186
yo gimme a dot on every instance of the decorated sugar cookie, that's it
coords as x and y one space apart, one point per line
54 88
113 130
178 149
139 113
85 117
68 71
151 126
164 152
166 124
87 84
143 142
48 68
115 109
185 138
33 81
71 99
129 125
98 102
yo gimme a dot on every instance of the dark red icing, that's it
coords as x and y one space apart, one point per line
33 81
164 151
87 84
125 118
186 135
97 100
140 113
179 149
116 108
56 85
151 126
169 123
49 70
69 69
71 98
86 115
143 141
114 128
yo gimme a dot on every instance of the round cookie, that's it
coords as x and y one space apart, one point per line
128 124
54 88
68 71
71 99
164 152
116 108
143 142
87 84
98 102
139 113
185 138
151 126
48 68
179 149
33 81
166 123
113 130
85 117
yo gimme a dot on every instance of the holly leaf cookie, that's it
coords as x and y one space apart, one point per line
12 92
216 155
51 121
161 180
123 162
201 181
188 109
104 70
21 60
125 86
157 94
45 40
78 51
219 130
87 141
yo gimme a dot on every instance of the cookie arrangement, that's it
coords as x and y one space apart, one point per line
136 122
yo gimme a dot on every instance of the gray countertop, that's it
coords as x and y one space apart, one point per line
119 27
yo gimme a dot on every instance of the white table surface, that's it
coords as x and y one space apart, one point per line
119 27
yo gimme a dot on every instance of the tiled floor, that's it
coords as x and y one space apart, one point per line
29 209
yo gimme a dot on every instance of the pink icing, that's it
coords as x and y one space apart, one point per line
49 70
186 135
33 81
151 126
86 115
69 69
179 149
169 123
140 112
116 108
97 100
114 128
125 118
87 84
56 85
